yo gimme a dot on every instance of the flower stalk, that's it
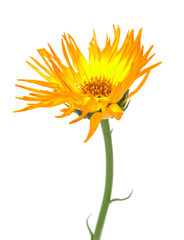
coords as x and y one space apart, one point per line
108 183
108 179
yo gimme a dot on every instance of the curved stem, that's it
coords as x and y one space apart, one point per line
108 181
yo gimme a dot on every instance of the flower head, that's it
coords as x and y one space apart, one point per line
97 88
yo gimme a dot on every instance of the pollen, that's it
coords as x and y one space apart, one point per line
98 87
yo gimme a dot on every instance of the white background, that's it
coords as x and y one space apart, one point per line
50 180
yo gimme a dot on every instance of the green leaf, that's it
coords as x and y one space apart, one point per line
121 199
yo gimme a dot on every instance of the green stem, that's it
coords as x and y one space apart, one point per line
108 181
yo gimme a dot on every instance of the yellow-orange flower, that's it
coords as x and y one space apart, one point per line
97 88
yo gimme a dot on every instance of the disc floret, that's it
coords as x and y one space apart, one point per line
98 87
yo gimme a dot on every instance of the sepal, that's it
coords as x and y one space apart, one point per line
124 105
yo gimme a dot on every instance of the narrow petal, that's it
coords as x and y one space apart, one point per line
79 118
25 109
67 111
77 57
116 94
88 104
31 89
48 78
148 69
139 87
44 68
41 83
67 58
94 122
116 111
44 55
94 57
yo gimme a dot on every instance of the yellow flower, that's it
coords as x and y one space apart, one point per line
98 88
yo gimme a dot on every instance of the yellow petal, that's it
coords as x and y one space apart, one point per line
67 111
77 57
116 94
79 118
88 104
116 111
48 78
41 83
139 87
94 57
94 122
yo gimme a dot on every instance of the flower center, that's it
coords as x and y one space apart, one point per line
98 87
